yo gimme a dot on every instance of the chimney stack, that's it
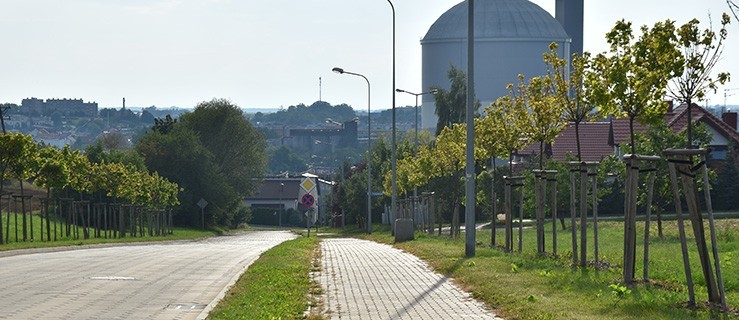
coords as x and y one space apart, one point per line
570 14
730 119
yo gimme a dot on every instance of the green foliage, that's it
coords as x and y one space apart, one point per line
237 147
545 119
18 155
631 78
619 291
700 51
51 171
165 125
300 114
52 168
194 171
451 105
284 159
572 89
97 153
213 153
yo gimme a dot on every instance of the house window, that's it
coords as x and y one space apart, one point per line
717 153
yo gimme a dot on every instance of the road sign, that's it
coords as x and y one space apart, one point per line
312 215
202 203
308 200
307 184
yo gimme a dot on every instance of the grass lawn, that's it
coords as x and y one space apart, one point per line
63 240
276 286
526 286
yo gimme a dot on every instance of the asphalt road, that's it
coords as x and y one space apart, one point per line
176 280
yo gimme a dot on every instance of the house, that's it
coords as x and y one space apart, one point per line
277 193
600 139
277 197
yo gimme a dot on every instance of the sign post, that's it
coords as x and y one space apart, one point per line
308 199
202 203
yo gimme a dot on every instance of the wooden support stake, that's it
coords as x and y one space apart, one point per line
712 225
681 228
508 212
573 211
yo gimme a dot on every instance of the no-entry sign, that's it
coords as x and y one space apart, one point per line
308 200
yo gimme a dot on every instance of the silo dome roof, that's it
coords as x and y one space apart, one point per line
498 19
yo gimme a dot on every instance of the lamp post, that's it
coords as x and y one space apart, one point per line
369 146
394 198
434 91
282 205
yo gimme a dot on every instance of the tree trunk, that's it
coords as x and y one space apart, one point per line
494 207
48 220
23 211
577 140
631 132
541 155
690 127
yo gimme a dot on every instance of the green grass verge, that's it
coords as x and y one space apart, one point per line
276 286
62 240
527 286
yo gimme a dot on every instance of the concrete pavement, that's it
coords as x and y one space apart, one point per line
367 280
179 280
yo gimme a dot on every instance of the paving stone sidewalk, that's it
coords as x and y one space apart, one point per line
367 280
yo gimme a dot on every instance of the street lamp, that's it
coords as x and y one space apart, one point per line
369 146
332 121
282 205
433 91
393 200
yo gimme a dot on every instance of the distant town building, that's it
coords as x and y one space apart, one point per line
323 139
63 107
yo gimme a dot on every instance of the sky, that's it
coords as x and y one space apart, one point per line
258 54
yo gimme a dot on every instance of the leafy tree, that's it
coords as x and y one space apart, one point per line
237 147
450 161
51 170
545 120
451 105
501 130
701 51
80 168
634 74
352 194
573 88
19 154
300 114
164 125
97 153
180 157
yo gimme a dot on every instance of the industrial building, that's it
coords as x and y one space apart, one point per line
511 37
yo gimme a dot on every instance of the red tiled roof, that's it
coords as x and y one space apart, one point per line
594 140
678 121
594 136
621 131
